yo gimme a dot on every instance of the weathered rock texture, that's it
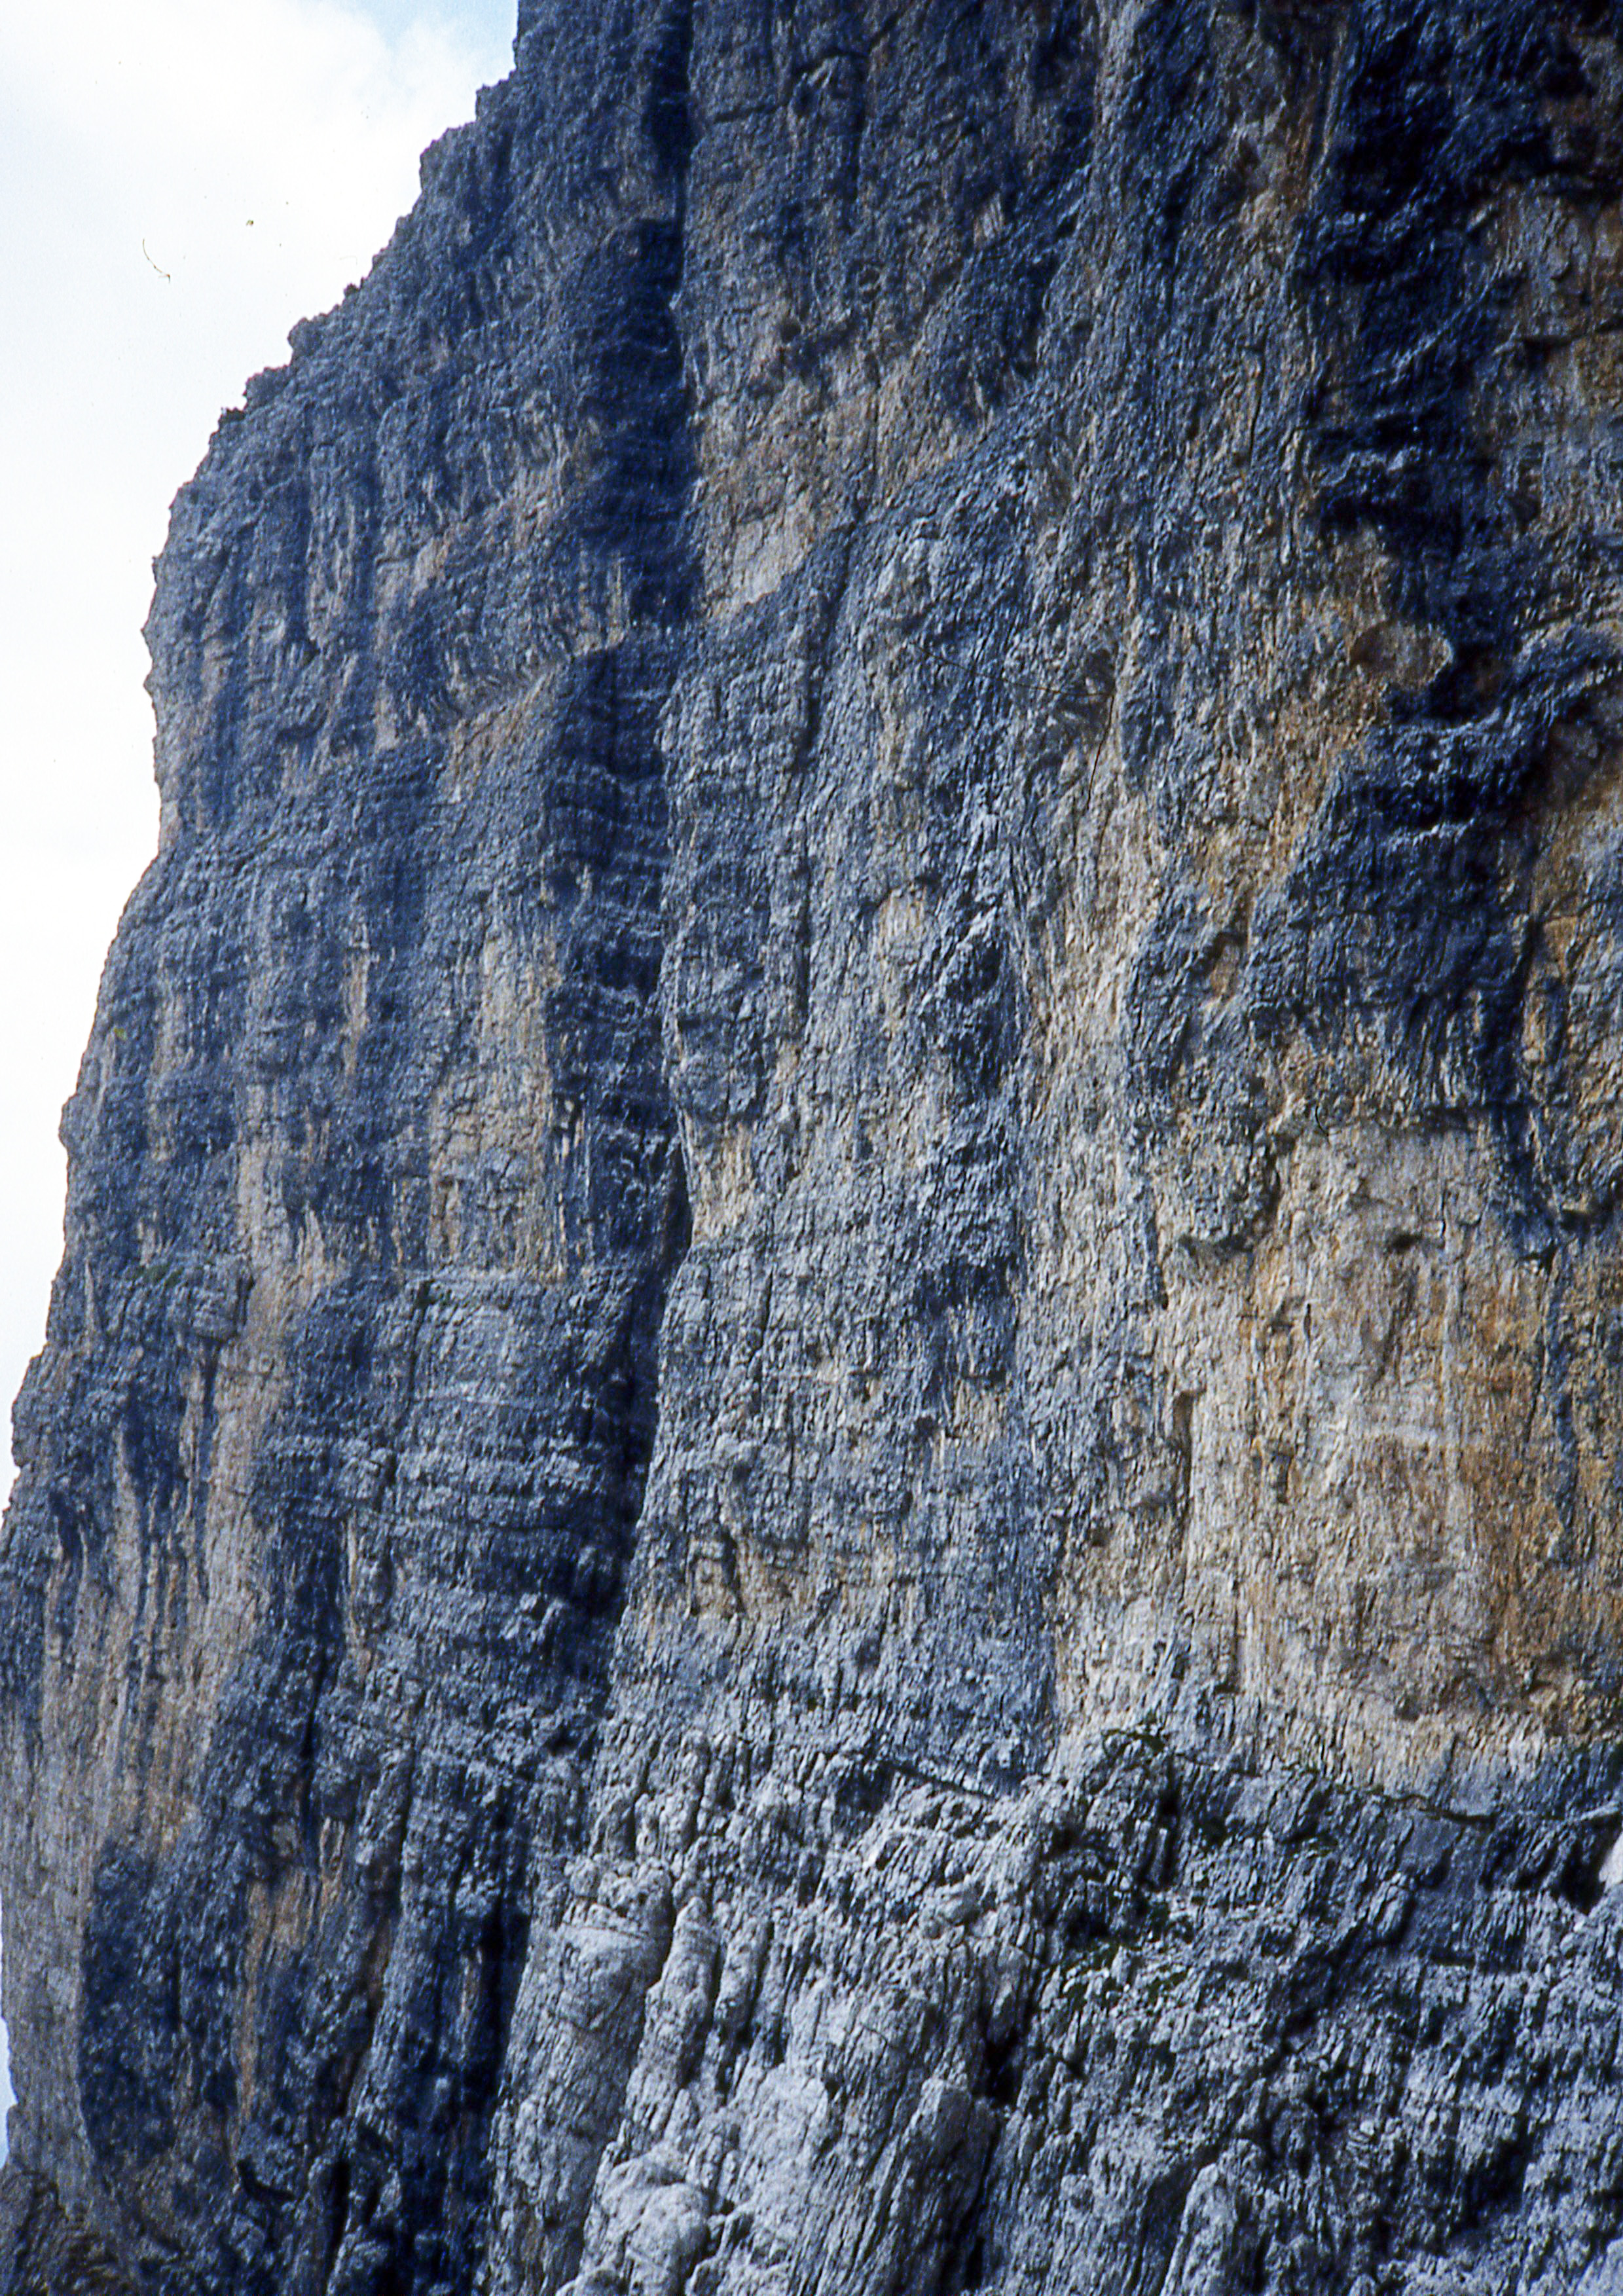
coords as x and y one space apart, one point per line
828 1495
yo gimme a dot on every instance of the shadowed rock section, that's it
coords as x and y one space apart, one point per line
826 1495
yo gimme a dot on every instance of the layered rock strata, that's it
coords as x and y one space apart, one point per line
827 1492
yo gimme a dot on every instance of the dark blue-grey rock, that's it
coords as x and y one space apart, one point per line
828 1494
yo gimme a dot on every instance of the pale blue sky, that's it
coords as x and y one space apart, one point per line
472 23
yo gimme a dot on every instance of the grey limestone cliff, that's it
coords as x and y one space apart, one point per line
827 1499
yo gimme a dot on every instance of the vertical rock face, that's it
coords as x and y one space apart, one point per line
826 1495
336 1454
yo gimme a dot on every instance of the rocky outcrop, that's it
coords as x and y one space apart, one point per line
826 1495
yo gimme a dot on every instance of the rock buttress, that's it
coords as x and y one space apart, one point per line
332 1461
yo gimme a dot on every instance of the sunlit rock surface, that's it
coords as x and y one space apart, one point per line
826 1496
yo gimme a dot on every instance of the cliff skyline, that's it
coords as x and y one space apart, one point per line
826 1493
